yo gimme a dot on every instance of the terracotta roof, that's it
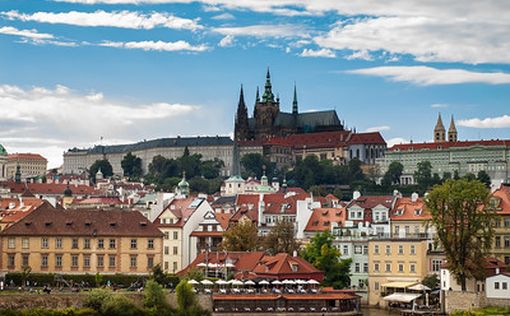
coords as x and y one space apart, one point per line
405 210
49 221
371 201
12 211
366 138
49 188
100 201
223 219
30 156
181 208
447 145
322 219
243 261
503 195
312 140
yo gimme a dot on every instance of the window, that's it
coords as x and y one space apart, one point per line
166 266
74 261
504 285
111 261
365 267
376 286
358 249
175 252
400 267
150 262
345 250
44 260
175 266
388 267
11 260
167 235
44 243
397 228
100 261
133 243
413 249
365 249
112 244
376 267
167 250
388 249
150 244
436 265
25 260
86 261
176 235
58 243
86 243
25 243
75 243
507 241
11 243
496 285
100 243
498 241
412 268
357 267
58 261
376 249
400 249
132 262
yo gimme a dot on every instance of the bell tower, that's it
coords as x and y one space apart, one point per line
439 131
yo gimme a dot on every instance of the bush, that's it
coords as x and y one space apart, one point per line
119 305
122 280
96 298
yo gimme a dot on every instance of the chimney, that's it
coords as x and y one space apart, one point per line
294 253
414 197
261 209
21 204
356 195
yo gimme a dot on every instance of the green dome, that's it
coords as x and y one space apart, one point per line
183 183
3 152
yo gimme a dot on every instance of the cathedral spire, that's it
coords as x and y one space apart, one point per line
439 130
452 131
294 101
257 97
268 90
241 103
241 118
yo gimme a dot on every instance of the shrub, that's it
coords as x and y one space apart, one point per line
119 305
96 298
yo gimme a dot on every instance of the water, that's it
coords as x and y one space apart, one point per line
377 312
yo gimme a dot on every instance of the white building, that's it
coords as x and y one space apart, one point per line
498 286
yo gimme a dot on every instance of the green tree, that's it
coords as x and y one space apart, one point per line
120 305
242 237
446 176
155 300
281 239
187 302
104 165
423 175
431 280
393 174
469 176
463 218
132 166
355 171
211 169
96 297
321 253
253 165
484 178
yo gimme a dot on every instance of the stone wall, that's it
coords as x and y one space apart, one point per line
462 301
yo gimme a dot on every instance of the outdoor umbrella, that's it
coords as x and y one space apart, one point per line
249 282
193 282
221 282
264 282
237 282
289 282
277 282
202 265
419 287
206 282
312 281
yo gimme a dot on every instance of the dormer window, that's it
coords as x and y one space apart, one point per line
417 211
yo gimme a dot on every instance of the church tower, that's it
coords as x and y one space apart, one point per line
241 128
452 131
266 110
294 102
439 131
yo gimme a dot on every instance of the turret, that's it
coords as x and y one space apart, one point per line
268 95
439 130
452 131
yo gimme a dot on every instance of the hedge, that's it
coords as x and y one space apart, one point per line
122 280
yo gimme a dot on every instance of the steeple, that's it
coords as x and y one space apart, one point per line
439 130
452 131
241 119
257 97
241 105
294 101
236 161
268 93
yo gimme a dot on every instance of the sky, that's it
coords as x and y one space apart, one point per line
75 73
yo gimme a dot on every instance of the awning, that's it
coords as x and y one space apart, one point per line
399 285
402 297
419 287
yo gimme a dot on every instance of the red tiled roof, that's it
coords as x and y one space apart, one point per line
366 138
322 219
223 219
371 201
312 140
503 194
180 208
289 297
405 210
100 201
243 261
49 221
49 188
12 211
447 145
22 156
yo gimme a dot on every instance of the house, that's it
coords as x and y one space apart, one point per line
324 219
500 200
14 209
374 210
498 286
210 230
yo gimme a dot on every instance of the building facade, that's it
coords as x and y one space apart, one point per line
501 201
77 160
3 162
50 240
30 165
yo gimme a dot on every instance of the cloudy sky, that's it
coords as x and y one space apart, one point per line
75 71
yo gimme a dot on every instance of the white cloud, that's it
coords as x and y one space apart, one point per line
52 120
377 129
395 141
157 46
439 105
226 41
121 19
264 30
490 122
426 76
224 16
362 54
426 38
32 34
323 52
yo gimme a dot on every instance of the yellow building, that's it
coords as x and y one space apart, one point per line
30 165
501 201
394 264
86 241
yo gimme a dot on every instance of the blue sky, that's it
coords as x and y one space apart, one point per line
73 71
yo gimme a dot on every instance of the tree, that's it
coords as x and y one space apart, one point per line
431 280
210 169
463 218
393 174
281 239
484 178
132 166
321 253
154 299
423 175
187 302
104 165
355 172
242 237
446 176
253 165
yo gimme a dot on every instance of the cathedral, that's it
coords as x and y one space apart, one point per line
268 121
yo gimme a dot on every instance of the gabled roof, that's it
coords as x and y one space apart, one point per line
49 188
26 156
366 138
49 221
333 139
12 210
371 201
281 265
243 261
322 219
407 210
503 196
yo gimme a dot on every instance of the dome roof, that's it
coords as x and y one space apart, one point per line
3 152
183 183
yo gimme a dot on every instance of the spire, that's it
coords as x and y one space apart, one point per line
294 101
439 130
257 97
236 162
452 131
439 124
268 93
452 127
241 103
